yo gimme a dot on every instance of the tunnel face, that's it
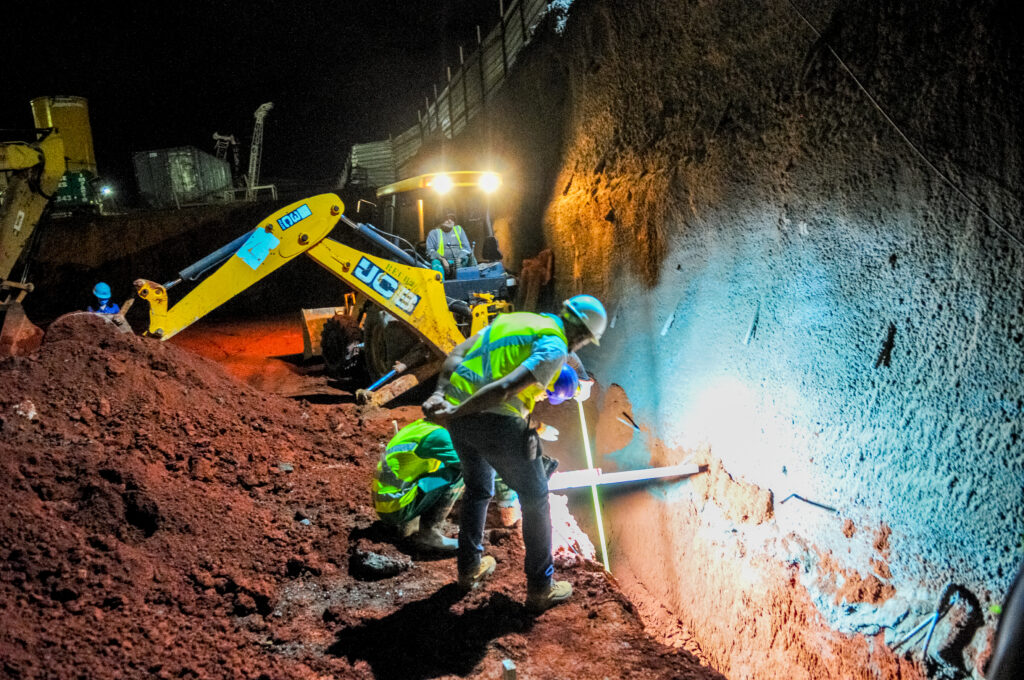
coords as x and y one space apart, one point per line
802 222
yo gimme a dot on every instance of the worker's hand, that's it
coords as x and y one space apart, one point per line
547 433
437 409
583 393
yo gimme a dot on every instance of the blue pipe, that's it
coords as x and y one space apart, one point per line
386 377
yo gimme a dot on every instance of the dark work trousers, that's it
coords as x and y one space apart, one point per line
1007 660
489 443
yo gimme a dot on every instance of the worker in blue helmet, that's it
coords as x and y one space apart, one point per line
101 291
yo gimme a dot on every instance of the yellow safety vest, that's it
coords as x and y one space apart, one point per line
399 468
440 239
500 349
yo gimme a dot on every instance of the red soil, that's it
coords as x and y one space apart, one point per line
161 519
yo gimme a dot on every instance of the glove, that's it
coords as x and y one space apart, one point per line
550 465
547 433
583 393
438 410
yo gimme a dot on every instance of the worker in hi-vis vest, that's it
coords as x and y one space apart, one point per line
418 476
449 248
484 396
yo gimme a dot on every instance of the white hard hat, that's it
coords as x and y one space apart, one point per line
589 310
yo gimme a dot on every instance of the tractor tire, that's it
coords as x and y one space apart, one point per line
385 341
340 343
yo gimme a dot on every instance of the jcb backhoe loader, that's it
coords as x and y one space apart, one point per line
33 171
400 284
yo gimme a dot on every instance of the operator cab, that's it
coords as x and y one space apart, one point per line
411 208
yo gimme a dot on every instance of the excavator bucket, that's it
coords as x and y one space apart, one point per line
19 336
313 321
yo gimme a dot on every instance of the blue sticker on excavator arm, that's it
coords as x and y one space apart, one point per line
257 248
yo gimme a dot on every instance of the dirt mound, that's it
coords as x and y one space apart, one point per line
161 519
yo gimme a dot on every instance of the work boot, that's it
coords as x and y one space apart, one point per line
483 570
555 592
434 540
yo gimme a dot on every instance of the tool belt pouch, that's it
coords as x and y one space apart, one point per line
531 444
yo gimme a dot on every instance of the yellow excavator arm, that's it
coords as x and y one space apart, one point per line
34 170
414 295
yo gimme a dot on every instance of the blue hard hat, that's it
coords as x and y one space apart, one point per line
565 385
102 291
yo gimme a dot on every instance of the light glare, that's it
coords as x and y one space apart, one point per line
442 184
489 182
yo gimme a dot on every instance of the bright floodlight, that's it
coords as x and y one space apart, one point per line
489 182
442 184
106 191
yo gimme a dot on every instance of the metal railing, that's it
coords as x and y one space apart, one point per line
468 88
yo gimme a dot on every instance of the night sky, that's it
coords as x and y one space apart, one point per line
161 75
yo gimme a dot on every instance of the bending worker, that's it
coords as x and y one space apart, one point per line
449 247
485 393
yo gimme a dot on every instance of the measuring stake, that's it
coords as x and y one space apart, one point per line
593 488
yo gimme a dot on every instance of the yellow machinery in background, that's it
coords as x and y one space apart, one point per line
69 115
400 286
33 171
439 188
77 191
407 210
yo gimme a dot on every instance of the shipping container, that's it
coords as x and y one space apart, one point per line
180 176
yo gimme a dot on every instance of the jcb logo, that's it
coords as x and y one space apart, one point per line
386 285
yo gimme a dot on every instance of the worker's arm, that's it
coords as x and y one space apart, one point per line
438 445
451 363
436 401
432 238
545 360
586 382
495 393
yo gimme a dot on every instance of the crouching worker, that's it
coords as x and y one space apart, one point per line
418 478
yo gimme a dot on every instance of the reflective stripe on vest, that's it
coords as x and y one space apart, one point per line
440 239
499 350
399 468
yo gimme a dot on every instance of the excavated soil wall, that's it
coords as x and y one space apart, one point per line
827 310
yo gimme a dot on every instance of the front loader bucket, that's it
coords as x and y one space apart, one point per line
19 336
313 321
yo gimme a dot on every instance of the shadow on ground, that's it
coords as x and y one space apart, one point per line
426 639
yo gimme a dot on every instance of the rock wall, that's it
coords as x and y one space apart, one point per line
815 288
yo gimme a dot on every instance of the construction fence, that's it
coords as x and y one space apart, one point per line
468 89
